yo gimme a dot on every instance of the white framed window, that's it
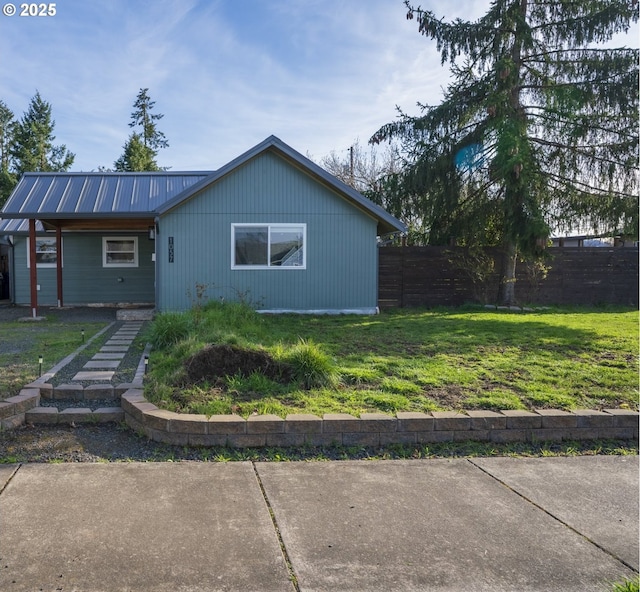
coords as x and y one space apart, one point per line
119 251
268 246
46 252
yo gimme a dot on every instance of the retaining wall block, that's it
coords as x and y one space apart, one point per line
173 438
74 392
590 418
120 389
265 424
48 415
246 440
521 420
46 389
472 435
413 421
12 422
377 422
291 439
226 424
132 395
189 424
207 440
450 421
323 439
334 423
6 409
361 439
618 433
27 399
624 418
397 438
98 391
138 409
487 420
302 423
75 415
157 419
581 434
547 434
510 435
434 436
556 418
108 414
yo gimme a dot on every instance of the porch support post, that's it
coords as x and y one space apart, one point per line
59 264
33 267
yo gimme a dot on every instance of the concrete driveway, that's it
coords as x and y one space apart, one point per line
499 524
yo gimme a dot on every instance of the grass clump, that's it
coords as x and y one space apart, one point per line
168 329
310 366
627 585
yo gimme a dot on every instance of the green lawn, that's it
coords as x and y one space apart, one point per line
412 360
21 344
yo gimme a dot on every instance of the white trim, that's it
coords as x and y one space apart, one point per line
269 226
105 263
323 311
43 265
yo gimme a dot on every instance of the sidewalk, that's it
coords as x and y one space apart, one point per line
493 524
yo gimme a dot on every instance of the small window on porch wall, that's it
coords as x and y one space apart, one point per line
119 251
46 252
268 246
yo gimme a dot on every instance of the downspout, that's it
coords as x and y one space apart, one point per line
59 265
33 272
156 278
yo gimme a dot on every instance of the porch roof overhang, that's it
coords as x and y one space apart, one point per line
45 223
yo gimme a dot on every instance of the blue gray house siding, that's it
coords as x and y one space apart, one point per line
85 280
341 267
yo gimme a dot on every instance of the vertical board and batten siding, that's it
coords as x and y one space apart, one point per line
85 281
341 251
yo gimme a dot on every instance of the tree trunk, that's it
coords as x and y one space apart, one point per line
508 277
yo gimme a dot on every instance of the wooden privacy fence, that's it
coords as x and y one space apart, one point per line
446 276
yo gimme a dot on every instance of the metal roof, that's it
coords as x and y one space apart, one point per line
65 196
95 195
386 222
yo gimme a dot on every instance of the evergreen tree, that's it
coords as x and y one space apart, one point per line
537 132
33 148
7 133
142 147
136 156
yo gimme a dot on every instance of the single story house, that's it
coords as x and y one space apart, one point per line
271 228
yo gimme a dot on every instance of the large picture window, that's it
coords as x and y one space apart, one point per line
120 251
266 246
46 252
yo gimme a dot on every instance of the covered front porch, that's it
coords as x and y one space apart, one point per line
109 262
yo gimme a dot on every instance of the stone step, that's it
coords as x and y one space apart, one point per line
51 415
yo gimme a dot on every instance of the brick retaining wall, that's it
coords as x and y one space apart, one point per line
371 429
375 429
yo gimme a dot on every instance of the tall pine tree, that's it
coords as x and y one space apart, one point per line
7 132
33 149
142 147
537 132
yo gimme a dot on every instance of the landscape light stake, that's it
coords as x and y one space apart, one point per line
82 332
40 360
146 364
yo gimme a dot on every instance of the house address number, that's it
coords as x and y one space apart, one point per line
170 249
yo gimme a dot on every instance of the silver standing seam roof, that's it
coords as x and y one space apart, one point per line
61 196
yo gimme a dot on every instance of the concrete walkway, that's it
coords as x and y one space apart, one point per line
499 524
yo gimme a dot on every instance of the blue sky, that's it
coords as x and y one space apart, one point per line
226 74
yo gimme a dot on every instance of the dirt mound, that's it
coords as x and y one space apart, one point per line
217 361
